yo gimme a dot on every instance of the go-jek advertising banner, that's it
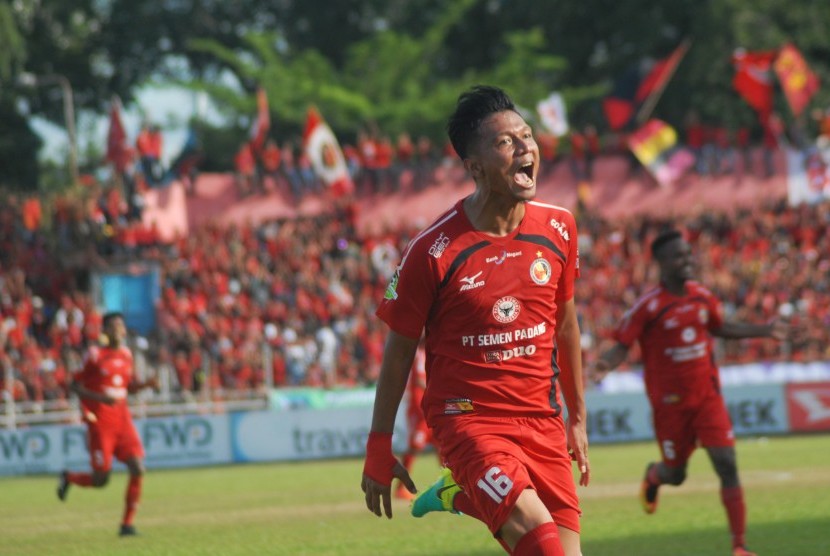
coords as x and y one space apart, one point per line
754 409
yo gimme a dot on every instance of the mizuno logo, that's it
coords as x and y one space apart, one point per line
470 282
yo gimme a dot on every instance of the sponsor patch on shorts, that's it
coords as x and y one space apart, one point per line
458 405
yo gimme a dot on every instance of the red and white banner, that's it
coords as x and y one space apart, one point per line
753 79
326 157
808 177
808 405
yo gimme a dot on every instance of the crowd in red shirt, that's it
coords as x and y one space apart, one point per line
291 301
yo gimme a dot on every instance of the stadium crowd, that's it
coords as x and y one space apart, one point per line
291 302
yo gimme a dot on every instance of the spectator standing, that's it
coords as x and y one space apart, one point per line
246 172
149 144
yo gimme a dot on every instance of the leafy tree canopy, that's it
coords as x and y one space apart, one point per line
397 64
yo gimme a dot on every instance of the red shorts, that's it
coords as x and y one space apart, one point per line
494 459
679 429
105 441
419 433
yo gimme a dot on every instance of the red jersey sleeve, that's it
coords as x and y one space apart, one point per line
715 310
411 292
632 324
570 273
90 366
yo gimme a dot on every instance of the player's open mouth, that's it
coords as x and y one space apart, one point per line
524 175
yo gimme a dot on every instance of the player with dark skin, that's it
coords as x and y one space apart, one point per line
674 257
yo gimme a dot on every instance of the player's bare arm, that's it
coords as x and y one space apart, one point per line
137 385
570 363
777 329
86 394
398 355
607 362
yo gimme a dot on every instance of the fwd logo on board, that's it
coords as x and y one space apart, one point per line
23 445
191 432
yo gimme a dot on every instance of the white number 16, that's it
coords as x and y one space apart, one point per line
496 484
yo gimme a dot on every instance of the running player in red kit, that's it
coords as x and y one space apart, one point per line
102 386
491 284
674 323
419 433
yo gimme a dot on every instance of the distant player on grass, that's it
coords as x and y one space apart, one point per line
102 386
491 283
674 324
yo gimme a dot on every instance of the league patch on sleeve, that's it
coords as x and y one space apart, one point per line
392 289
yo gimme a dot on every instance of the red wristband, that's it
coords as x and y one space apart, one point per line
379 458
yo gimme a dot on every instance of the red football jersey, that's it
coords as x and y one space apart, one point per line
488 307
673 332
107 371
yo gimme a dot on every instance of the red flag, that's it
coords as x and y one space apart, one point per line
262 122
753 79
637 85
661 72
118 152
619 106
327 159
797 80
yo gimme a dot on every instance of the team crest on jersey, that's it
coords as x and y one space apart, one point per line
506 309
392 289
540 271
703 315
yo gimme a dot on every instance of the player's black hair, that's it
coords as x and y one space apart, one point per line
472 108
664 237
111 316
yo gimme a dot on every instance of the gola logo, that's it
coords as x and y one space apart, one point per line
559 227
470 282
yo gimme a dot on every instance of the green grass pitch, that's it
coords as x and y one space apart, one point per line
317 508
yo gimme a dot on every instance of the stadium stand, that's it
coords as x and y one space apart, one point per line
284 296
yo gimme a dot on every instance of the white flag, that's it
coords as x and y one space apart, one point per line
552 112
